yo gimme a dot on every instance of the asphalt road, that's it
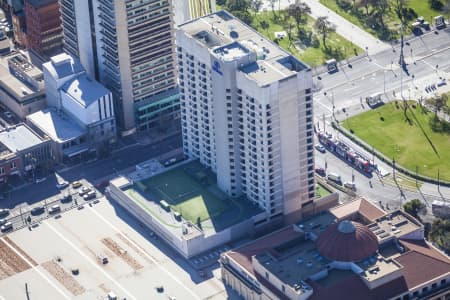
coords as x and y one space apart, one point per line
94 172
381 73
376 74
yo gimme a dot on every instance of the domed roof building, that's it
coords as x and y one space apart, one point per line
347 241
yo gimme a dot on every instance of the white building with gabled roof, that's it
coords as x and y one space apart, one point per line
80 118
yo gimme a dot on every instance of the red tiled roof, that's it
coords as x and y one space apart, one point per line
243 255
347 246
419 268
423 247
370 211
360 206
353 288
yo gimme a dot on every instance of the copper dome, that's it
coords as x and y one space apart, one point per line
347 241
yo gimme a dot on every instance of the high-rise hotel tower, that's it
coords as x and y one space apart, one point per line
247 112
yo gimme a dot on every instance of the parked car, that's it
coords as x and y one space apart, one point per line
66 198
320 171
62 184
320 148
3 221
35 211
335 178
350 185
76 184
54 209
84 190
4 212
7 226
90 195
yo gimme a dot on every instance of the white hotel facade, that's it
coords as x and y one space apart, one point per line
247 113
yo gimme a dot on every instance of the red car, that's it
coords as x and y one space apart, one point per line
320 171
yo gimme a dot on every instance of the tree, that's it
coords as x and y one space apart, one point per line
238 5
413 207
324 27
381 7
446 7
256 5
436 4
298 11
264 24
366 4
440 233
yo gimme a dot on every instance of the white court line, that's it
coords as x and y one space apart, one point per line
145 253
37 270
89 259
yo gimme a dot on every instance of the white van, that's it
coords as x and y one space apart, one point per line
334 177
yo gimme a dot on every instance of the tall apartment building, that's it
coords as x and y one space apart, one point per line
129 47
247 112
43 26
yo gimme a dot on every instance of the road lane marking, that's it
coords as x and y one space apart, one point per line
89 259
35 268
145 253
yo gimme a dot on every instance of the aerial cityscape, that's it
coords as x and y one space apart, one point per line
225 149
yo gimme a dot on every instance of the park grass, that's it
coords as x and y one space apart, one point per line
410 144
421 7
310 55
185 194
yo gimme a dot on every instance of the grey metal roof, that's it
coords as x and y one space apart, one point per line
84 90
58 127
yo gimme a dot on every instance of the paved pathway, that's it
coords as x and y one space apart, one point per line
343 27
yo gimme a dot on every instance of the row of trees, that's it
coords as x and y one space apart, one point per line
295 15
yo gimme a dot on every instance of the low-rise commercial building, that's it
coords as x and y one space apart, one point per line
80 118
21 85
32 151
354 251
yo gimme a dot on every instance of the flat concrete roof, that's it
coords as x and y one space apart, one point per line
396 224
19 138
63 65
19 89
221 29
58 128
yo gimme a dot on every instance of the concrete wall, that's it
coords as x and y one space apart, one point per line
187 247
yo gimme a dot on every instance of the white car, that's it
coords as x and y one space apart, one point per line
320 148
38 180
54 209
62 184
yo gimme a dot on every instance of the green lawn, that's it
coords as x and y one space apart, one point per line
421 8
411 144
321 191
310 55
188 194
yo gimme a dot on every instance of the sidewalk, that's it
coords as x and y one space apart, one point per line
345 28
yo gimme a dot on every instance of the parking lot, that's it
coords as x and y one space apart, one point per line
61 258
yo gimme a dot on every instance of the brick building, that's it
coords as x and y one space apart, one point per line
43 23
